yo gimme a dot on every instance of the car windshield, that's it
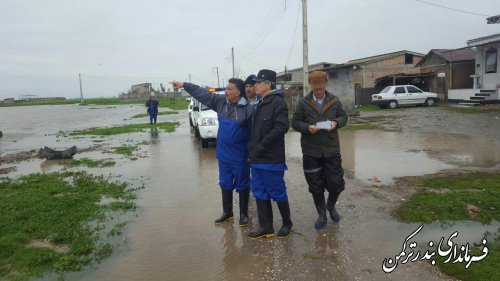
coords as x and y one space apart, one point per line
385 90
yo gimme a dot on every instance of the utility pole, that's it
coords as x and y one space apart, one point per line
81 92
232 56
305 48
189 77
218 81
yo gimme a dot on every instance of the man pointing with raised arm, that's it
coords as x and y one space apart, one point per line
233 113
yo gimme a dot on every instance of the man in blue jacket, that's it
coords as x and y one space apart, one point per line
233 113
266 146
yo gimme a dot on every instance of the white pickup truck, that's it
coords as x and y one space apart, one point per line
204 121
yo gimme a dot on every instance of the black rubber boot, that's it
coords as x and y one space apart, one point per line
244 197
319 202
287 226
227 207
151 121
265 212
332 200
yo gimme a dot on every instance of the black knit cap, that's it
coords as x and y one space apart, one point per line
239 84
250 80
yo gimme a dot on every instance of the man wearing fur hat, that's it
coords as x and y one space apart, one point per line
233 113
317 117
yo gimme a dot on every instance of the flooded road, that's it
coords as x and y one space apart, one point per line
172 236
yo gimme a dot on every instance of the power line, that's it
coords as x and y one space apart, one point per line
294 34
270 16
453 9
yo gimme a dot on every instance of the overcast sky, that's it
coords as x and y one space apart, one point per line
45 44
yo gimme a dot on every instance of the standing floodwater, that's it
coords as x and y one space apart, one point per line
173 237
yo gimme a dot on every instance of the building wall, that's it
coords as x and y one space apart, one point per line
341 84
488 81
460 76
366 75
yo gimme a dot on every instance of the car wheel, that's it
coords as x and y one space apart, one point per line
393 104
196 132
190 122
204 143
429 102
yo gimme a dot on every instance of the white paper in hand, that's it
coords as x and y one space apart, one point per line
324 125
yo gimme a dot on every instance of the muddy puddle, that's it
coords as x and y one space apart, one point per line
172 236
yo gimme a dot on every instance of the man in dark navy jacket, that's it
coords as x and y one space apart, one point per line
266 146
233 113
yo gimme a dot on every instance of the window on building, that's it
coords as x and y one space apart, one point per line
491 60
408 59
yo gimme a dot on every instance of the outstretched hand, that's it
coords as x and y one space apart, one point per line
177 85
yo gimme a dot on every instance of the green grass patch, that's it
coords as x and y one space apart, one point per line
471 110
159 113
358 126
368 108
127 150
445 198
131 128
457 192
59 208
87 162
48 102
177 104
486 269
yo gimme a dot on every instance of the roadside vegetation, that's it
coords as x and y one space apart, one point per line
130 128
358 124
87 162
472 196
54 222
177 104
159 113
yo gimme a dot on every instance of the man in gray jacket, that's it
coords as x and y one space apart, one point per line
317 117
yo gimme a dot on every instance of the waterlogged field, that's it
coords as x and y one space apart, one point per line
53 222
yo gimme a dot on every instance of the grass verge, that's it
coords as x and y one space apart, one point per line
63 211
358 126
87 162
178 104
473 196
159 113
131 128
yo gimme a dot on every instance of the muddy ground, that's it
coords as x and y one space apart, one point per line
172 235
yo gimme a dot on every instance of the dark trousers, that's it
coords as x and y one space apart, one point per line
324 173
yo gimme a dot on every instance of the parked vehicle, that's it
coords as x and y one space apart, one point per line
204 121
190 111
400 95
